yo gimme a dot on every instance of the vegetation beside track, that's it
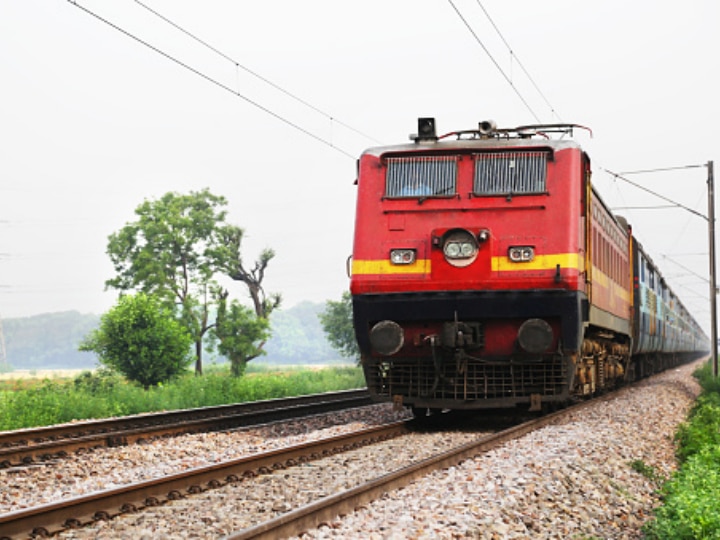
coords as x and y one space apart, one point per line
690 497
102 394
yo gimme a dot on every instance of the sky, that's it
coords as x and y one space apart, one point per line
269 104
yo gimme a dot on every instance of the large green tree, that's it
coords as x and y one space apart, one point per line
337 323
178 249
141 339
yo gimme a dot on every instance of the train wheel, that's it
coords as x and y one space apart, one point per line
420 412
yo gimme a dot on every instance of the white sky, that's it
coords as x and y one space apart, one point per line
93 122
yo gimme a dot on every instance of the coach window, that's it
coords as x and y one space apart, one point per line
596 248
421 177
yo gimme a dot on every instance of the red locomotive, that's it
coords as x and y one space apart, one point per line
487 272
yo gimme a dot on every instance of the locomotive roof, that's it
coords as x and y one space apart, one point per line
487 136
474 144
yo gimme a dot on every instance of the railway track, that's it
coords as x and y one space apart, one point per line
26 446
326 509
79 511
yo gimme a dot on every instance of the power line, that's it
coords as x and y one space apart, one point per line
513 55
706 280
254 73
673 203
658 207
212 80
664 169
509 81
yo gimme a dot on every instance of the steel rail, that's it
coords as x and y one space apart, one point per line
28 445
324 510
75 512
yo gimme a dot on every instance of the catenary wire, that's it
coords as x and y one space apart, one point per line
212 80
664 169
509 81
706 280
513 55
674 203
254 73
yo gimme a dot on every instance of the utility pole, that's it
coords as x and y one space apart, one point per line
713 286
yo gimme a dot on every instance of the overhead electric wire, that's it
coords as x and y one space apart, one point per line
673 203
500 69
664 169
212 80
658 207
706 280
254 73
512 54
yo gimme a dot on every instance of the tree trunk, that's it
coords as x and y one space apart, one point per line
198 357
237 366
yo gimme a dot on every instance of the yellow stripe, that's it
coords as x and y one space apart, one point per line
540 262
499 264
383 266
604 281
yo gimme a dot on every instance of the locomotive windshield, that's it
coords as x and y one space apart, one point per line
501 173
421 176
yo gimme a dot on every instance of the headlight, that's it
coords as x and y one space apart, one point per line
402 256
460 248
521 253
452 250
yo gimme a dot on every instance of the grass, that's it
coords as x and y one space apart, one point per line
690 497
102 394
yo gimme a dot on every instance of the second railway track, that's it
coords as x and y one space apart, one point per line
29 445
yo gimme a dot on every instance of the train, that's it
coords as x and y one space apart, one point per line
488 273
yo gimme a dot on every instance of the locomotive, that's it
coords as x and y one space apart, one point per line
487 272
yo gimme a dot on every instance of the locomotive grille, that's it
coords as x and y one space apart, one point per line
408 177
500 173
416 378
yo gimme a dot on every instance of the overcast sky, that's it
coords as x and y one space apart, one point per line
93 122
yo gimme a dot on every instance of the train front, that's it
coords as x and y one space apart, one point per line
468 265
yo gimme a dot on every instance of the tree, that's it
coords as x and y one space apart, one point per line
176 250
337 323
252 278
242 337
241 333
141 339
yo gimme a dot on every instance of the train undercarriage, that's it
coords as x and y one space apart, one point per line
459 379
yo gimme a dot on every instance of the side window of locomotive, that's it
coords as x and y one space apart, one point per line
421 177
510 173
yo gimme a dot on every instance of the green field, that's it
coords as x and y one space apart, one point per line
57 398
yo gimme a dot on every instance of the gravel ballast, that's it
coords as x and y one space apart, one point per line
569 480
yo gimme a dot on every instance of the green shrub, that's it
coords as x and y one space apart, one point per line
141 339
709 384
691 499
703 428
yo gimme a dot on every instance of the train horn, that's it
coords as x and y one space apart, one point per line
486 127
